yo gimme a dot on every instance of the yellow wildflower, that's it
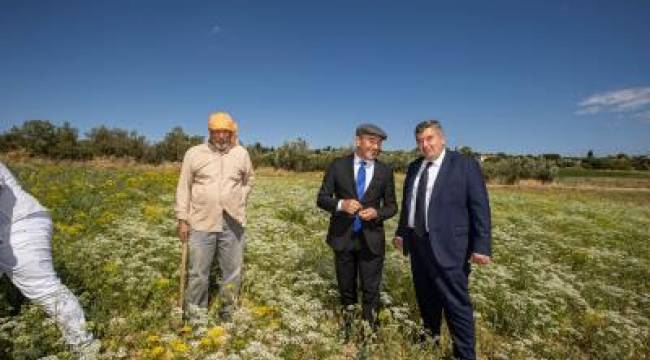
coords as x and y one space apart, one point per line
153 339
179 346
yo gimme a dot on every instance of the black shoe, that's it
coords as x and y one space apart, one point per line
372 324
369 332
225 316
424 337
348 320
346 332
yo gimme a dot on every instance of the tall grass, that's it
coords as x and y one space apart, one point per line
569 278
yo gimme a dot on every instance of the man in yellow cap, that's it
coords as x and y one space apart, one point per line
215 181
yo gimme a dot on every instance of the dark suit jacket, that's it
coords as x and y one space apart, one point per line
339 184
459 211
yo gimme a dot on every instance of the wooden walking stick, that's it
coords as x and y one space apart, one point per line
183 276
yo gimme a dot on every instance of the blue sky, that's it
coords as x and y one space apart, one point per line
513 76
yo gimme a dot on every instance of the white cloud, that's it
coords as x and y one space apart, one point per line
635 101
644 116
215 29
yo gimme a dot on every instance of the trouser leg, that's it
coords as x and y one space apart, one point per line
201 248
230 255
454 290
346 264
370 271
34 275
427 296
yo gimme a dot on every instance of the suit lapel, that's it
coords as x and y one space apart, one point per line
409 185
349 175
442 176
374 182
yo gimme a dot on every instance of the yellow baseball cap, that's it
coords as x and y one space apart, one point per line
221 121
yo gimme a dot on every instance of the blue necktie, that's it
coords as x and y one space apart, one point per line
361 188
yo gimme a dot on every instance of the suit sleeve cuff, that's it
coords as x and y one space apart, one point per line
482 247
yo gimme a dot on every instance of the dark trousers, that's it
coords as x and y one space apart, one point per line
359 262
443 289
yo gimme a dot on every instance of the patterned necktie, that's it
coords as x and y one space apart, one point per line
361 188
421 201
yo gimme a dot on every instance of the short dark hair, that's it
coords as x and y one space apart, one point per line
432 123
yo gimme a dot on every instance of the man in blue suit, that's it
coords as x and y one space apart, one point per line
444 225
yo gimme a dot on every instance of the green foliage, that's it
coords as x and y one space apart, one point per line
512 169
293 155
117 143
40 138
173 146
466 150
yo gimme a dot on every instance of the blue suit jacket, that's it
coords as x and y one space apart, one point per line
458 214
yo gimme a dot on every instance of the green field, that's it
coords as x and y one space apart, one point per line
604 178
569 278
577 172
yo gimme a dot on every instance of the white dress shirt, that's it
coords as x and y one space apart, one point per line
370 170
433 174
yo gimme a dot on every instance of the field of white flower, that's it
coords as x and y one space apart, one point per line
569 278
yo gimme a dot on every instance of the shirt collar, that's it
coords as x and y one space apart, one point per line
358 160
437 162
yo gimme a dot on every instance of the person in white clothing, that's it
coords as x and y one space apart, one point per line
26 258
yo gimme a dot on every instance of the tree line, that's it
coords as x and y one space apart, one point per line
41 138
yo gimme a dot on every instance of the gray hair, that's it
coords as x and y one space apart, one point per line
428 124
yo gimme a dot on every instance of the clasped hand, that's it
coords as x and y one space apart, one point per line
354 207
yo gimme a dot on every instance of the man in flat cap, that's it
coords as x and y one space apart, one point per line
215 182
359 192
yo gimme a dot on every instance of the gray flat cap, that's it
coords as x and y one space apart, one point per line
370 129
